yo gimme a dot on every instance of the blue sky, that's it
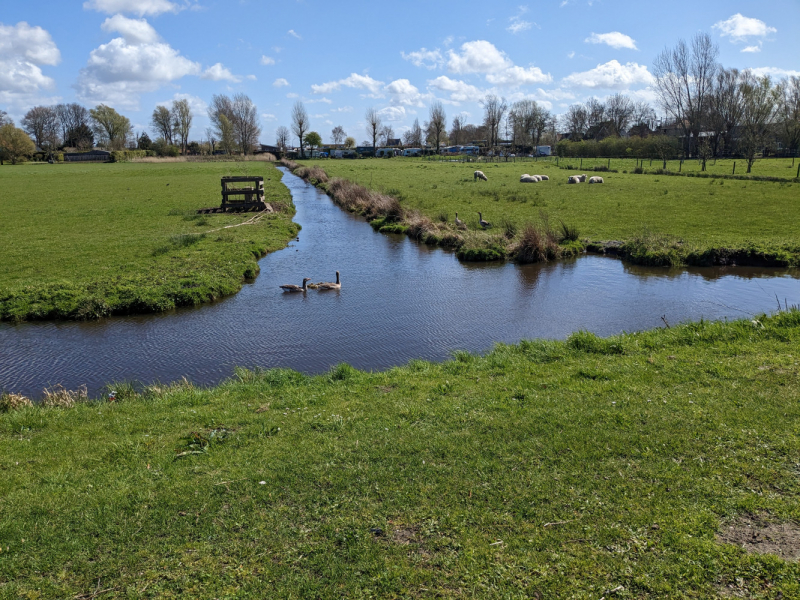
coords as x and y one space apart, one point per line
340 58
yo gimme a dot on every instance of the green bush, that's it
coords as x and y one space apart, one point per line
126 155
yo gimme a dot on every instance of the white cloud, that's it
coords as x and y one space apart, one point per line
198 105
459 91
402 91
479 56
268 117
280 82
251 77
119 71
571 54
294 34
22 50
364 82
135 31
517 23
483 57
139 7
430 59
267 60
393 113
315 100
515 76
756 48
615 39
292 95
774 72
219 72
739 28
611 75
342 109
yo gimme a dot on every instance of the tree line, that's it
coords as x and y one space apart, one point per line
234 129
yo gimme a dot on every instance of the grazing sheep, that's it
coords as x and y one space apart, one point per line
595 179
479 175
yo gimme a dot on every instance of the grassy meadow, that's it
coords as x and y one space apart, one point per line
627 467
662 219
83 241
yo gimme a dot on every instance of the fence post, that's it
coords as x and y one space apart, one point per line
734 168
581 167
680 165
798 172
609 163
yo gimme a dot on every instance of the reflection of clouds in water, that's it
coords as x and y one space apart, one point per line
399 300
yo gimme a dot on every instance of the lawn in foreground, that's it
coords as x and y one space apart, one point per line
697 213
546 469
82 241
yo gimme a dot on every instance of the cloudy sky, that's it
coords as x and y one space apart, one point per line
340 58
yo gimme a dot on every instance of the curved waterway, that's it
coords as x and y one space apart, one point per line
399 300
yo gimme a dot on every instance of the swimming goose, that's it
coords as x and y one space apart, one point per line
327 285
296 288
483 223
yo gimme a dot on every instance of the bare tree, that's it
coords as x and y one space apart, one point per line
282 138
413 137
220 113
619 112
181 121
41 123
758 107
457 130
338 134
161 121
494 109
436 127
595 112
373 120
387 134
788 112
300 123
5 119
576 121
211 139
725 108
684 81
75 123
245 122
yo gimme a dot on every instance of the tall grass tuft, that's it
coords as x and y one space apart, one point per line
569 233
58 396
538 243
356 198
9 402
313 175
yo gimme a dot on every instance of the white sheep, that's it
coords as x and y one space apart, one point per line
544 177
529 179
479 175
595 179
574 179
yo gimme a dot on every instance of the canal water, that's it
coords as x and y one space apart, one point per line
399 300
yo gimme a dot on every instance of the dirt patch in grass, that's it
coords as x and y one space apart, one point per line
760 534
406 535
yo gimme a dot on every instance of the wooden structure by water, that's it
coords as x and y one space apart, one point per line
241 194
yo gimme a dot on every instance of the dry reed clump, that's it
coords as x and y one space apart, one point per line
264 157
313 174
421 228
59 396
289 164
9 402
357 198
538 243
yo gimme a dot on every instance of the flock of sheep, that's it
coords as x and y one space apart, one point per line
536 178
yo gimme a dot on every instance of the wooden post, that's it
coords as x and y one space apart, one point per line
609 163
798 172
581 167
734 168
680 165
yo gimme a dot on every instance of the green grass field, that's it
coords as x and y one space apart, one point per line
581 469
688 214
82 241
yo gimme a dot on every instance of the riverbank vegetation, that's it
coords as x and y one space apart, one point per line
653 218
647 465
91 240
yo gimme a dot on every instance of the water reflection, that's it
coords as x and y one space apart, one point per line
399 300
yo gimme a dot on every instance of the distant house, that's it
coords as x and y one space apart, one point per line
270 149
392 143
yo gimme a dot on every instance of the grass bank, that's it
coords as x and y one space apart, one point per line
656 219
629 467
87 241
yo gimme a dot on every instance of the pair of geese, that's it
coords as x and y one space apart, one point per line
322 286
483 223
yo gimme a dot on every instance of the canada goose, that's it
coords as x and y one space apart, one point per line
459 222
483 223
296 288
326 285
